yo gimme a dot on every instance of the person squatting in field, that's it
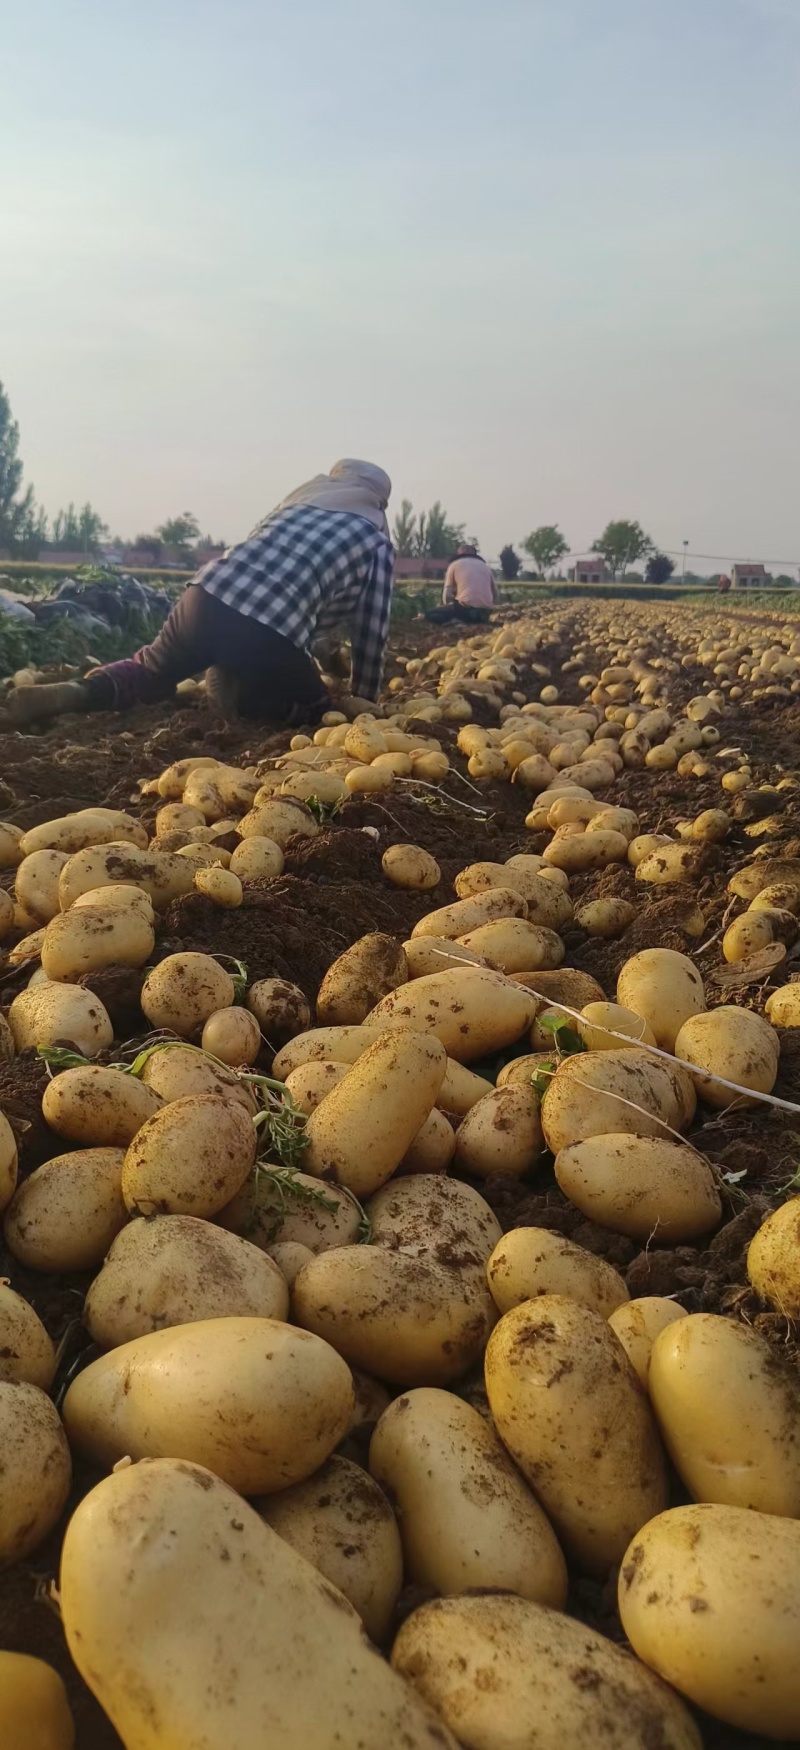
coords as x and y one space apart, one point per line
323 556
470 591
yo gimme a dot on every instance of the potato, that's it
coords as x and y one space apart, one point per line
405 1319
261 1402
36 886
433 1146
9 1162
733 1043
175 1072
459 1091
257 859
173 779
362 1129
671 862
547 904
10 845
567 1404
37 1471
221 886
513 945
637 1323
430 1217
74 832
341 1522
364 973
279 819
644 844
663 987
473 1012
427 954
213 1591
183 990
453 921
163 877
567 986
66 1214
728 1414
98 1106
7 914
190 1158
280 1009
747 935
26 1352
177 817
81 941
501 1134
467 1519
710 1599
586 850
605 918
531 1261
60 1014
652 1188
310 1082
323 786
505 1674
600 1023
601 1092
175 1270
34 1710
233 1035
526 1070
298 1209
409 866
773 1259
290 1258
111 898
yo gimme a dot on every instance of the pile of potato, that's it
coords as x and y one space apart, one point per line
319 1383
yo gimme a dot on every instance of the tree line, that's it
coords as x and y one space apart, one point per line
620 545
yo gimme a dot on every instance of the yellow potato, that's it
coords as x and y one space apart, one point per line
534 1070
10 845
362 1129
531 1261
501 1134
261 1402
728 1413
514 945
504 1673
26 1352
710 1599
74 832
605 918
601 1021
428 1216
37 1471
213 1592
9 1162
782 1008
34 1710
473 1012
190 1158
183 990
637 1324
84 940
173 779
433 1146
663 987
671 862
601 1092
574 989
773 1259
456 920
36 886
341 1522
310 1082
459 1091
163 876
644 844
66 1214
364 973
257 859
98 1106
175 1270
232 1035
280 1009
280 819
427 954
299 1211
402 1318
7 914
547 904
325 787
586 850
412 867
221 886
467 1519
111 898
568 1405
733 1043
290 1257
652 1188
175 1072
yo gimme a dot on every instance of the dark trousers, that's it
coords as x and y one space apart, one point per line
458 611
254 669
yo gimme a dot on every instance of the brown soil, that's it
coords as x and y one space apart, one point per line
333 891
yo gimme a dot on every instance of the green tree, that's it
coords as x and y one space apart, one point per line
436 536
16 511
404 533
510 563
79 531
659 568
179 531
546 546
621 544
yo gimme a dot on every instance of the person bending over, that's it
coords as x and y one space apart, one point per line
469 591
323 556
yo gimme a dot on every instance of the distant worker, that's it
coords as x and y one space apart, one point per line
323 556
724 584
470 591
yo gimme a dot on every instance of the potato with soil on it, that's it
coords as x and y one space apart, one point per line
280 1009
163 877
190 1158
598 1093
600 1022
341 1522
362 1129
65 1215
501 1134
568 1405
605 918
433 1146
9 1162
672 862
176 1270
233 1035
34 1709
257 859
664 988
214 1591
221 886
310 1082
98 1106
505 1673
729 1411
37 1470
773 1259
175 1072
732 1043
430 1217
530 1261
709 1598
651 1188
637 1323
362 975
456 920
467 1519
459 1091
411 867
275 1208
36 886
184 990
513 945
572 988
279 819
26 1352
473 1012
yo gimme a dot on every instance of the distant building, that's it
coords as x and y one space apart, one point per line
749 576
425 567
591 570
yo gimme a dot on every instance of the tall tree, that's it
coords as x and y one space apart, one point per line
179 531
659 568
15 511
404 533
510 563
436 535
79 531
546 546
621 544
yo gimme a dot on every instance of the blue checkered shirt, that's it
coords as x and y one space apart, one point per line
308 568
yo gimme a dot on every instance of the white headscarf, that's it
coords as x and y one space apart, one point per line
359 487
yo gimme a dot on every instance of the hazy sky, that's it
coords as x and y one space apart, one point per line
539 258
